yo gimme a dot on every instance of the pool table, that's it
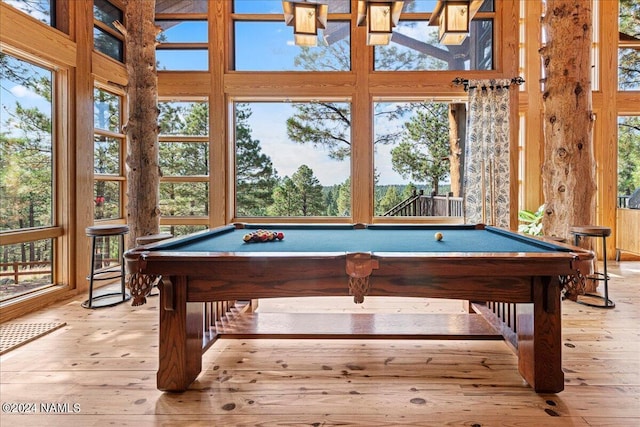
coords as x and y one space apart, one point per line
513 282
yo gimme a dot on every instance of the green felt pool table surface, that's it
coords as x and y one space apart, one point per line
372 238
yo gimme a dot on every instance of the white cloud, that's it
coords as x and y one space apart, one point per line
20 91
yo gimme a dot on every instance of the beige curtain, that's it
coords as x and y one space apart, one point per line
486 171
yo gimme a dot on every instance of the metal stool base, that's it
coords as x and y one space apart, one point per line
106 300
607 303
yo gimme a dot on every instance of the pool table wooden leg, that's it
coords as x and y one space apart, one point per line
180 343
540 337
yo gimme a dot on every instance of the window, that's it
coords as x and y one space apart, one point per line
262 44
184 161
413 161
628 159
414 45
106 38
27 171
292 159
109 154
629 46
183 41
42 10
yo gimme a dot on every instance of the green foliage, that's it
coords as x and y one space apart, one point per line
390 199
424 146
532 221
628 154
300 195
255 176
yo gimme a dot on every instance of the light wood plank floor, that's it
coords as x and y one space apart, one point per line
104 362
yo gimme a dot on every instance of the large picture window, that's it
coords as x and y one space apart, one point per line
292 159
27 171
417 169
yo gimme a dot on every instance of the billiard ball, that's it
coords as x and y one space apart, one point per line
438 236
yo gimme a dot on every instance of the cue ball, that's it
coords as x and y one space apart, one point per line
438 236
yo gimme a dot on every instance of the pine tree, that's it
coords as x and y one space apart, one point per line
255 176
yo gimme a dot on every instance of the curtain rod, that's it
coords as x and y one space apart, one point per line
465 82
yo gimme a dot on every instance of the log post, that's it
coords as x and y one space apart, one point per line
568 171
141 128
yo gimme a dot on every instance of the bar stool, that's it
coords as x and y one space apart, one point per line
602 232
111 298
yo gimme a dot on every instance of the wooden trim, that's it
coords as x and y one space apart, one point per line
628 103
20 32
181 17
109 72
184 220
182 46
30 235
168 139
177 84
185 179
606 125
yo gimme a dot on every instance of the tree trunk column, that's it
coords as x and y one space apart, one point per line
569 181
141 129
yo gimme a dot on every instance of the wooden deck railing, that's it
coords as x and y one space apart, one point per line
17 269
433 205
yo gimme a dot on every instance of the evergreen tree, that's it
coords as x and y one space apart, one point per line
391 198
255 176
309 191
344 198
424 146
300 195
286 201
628 155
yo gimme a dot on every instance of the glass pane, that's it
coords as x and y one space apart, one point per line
628 20
107 44
183 31
182 230
106 156
107 253
184 158
184 199
106 13
412 161
42 10
107 200
269 46
25 267
293 159
629 69
182 6
184 118
182 59
414 47
106 110
26 161
629 161
275 6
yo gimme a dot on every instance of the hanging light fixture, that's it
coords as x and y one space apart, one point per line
305 18
453 18
380 16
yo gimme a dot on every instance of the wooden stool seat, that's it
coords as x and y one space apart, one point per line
107 230
580 231
111 298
